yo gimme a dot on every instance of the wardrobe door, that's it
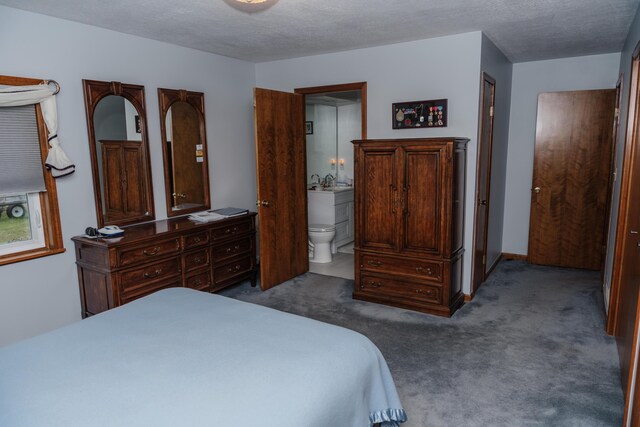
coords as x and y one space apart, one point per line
423 196
378 202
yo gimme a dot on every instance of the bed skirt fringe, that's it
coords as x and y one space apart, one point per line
388 417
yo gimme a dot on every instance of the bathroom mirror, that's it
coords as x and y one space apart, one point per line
184 146
334 119
117 125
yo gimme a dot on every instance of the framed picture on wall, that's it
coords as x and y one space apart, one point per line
309 127
420 114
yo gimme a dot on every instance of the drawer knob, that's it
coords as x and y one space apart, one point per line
233 249
231 230
374 263
197 281
155 273
234 269
196 240
152 252
424 271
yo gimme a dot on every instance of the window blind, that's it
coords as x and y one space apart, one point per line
20 158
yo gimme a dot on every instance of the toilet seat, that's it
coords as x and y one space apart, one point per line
321 227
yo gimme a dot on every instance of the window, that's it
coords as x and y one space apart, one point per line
29 217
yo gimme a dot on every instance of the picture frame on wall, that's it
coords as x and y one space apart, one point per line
308 128
420 114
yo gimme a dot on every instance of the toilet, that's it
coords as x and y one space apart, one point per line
321 236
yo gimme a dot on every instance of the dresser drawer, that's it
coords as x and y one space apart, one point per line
231 269
429 270
238 228
399 288
196 259
148 252
140 281
231 249
199 281
195 240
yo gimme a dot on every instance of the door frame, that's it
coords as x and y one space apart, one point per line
633 111
475 281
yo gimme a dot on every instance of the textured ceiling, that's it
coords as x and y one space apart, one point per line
523 29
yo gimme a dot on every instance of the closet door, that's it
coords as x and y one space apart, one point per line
423 190
378 201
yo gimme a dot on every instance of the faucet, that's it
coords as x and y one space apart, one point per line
328 181
317 176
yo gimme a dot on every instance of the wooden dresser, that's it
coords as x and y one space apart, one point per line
409 212
164 254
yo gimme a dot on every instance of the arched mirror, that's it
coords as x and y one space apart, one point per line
116 120
186 175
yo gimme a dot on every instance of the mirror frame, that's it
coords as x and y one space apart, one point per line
94 92
166 98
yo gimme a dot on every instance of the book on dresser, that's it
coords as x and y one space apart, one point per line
206 256
409 214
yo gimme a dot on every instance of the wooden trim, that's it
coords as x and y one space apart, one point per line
633 118
166 98
94 91
475 284
346 87
468 298
514 257
53 240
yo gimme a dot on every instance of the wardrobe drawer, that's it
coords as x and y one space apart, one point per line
231 230
147 289
429 270
196 259
231 249
196 240
399 288
148 252
199 281
231 269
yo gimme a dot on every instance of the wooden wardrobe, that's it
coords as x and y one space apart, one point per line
409 212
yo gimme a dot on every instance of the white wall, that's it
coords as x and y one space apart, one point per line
39 295
530 79
445 67
494 63
625 69
349 128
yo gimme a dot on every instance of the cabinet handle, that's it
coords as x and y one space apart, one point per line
156 273
374 263
233 269
236 248
196 239
197 282
197 260
375 284
154 251
231 230
428 291
421 270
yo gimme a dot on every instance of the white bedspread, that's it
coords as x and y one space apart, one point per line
186 358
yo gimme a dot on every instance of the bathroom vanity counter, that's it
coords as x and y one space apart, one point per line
333 207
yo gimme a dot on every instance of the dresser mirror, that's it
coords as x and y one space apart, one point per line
184 146
116 121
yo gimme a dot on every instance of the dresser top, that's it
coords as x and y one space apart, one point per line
161 228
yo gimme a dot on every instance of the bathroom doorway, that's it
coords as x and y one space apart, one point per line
334 116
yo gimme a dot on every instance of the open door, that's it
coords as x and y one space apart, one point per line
281 178
484 181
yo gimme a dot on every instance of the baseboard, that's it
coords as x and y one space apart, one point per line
514 257
468 298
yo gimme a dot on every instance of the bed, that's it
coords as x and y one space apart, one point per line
183 357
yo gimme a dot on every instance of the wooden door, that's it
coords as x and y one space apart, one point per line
134 193
570 177
423 185
281 178
377 198
188 187
484 181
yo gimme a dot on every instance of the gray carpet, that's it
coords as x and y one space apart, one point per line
530 349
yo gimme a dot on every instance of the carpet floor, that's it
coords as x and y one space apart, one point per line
530 349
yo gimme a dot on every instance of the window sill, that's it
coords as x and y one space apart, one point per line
27 255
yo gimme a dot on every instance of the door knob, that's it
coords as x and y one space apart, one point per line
265 203
258 203
537 190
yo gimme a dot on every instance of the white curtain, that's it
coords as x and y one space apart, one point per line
14 96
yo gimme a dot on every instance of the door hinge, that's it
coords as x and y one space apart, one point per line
491 111
616 113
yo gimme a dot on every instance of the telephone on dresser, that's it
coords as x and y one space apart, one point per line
106 231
